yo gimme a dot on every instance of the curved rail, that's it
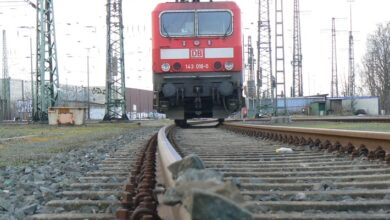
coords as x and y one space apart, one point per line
331 139
167 156
167 153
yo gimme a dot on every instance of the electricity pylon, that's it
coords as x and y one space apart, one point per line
115 63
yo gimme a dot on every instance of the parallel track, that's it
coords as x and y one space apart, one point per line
306 184
363 119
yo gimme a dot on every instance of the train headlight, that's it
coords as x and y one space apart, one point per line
229 65
176 66
165 67
217 65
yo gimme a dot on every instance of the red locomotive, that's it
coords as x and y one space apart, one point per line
197 59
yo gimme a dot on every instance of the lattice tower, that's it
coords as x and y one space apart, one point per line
280 76
264 58
297 88
115 63
47 81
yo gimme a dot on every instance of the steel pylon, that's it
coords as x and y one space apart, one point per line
297 88
115 63
280 75
47 81
264 59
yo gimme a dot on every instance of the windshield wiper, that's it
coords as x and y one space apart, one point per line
165 30
227 30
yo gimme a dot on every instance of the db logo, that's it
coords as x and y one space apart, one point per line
197 53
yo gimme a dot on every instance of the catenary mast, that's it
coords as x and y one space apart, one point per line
280 76
297 88
264 58
115 63
47 81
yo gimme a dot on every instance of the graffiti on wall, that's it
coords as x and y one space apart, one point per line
24 106
98 91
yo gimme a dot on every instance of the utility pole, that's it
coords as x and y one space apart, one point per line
115 63
88 99
251 77
47 81
264 58
334 82
351 60
33 95
297 88
6 108
32 80
280 76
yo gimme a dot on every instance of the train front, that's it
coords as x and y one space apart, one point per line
197 59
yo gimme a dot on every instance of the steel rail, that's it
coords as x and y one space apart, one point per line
168 155
303 184
331 139
379 119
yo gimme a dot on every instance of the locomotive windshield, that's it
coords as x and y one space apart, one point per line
200 23
214 23
178 24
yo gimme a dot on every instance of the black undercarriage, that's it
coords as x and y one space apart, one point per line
185 96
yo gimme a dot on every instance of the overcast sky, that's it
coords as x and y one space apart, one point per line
80 25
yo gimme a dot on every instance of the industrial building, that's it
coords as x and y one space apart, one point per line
139 103
322 105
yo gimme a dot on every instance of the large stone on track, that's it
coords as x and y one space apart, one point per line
207 205
189 162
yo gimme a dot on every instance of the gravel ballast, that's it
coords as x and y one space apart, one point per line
24 190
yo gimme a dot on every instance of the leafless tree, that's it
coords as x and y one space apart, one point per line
376 65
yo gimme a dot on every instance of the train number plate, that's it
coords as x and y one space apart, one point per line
196 66
196 53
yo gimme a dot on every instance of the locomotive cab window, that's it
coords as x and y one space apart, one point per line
199 23
212 23
178 24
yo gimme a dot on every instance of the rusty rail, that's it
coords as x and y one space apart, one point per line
302 184
138 200
374 145
378 119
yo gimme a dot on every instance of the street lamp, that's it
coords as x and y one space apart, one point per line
88 102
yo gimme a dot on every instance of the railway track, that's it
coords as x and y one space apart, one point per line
305 184
312 182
